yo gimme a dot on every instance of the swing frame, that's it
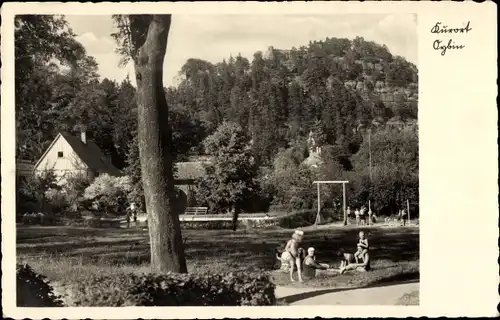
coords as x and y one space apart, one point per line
320 182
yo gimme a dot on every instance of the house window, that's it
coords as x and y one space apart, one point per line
59 154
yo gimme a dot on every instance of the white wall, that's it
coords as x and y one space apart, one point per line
70 163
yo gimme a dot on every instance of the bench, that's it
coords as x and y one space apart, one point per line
196 211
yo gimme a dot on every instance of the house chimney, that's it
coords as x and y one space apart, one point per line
83 136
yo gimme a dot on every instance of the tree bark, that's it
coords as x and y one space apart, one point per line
167 250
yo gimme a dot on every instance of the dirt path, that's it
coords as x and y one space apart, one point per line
384 295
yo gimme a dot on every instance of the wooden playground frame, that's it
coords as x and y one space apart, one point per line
320 182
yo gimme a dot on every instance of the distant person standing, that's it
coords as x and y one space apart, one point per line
348 213
132 212
236 213
356 213
404 216
370 213
362 216
132 207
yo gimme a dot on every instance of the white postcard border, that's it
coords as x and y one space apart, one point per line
458 161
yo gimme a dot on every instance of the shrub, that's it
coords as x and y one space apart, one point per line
297 220
250 224
101 223
31 191
227 224
207 225
278 208
299 203
33 290
58 201
74 189
109 193
172 289
40 218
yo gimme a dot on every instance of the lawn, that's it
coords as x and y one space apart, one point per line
68 254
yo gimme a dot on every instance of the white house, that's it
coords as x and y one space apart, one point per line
68 155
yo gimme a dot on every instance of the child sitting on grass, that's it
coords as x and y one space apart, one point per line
362 247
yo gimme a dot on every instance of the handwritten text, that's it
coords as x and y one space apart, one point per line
445 45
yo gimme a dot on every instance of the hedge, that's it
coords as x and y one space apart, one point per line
227 224
207 225
33 290
172 289
293 220
300 219
307 218
39 218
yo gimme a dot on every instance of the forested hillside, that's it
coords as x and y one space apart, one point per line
336 88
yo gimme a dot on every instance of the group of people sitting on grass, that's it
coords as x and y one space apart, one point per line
307 266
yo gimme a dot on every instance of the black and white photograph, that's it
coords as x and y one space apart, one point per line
176 159
288 159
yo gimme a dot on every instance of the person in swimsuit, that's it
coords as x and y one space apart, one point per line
311 267
293 257
362 247
356 213
362 215
360 267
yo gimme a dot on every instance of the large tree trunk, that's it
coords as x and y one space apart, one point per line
167 251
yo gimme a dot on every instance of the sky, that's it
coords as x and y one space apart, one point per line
215 37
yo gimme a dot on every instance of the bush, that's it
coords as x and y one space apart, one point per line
172 289
109 193
299 203
207 225
278 208
39 218
102 223
74 189
31 192
297 220
58 201
227 224
33 290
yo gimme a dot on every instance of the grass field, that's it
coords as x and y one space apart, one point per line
68 254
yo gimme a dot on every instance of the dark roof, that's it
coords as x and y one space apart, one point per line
91 155
191 170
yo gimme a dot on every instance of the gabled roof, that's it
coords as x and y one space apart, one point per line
89 153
